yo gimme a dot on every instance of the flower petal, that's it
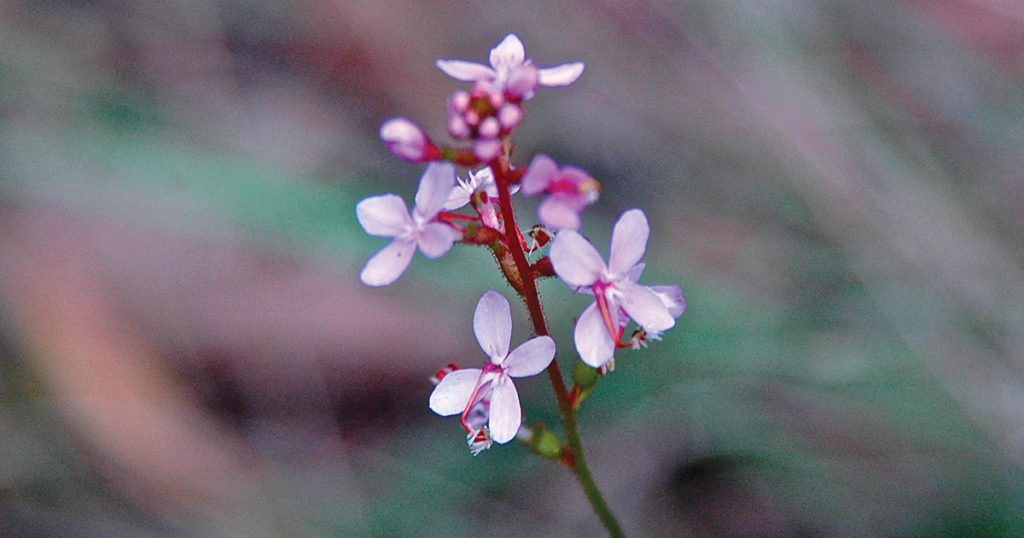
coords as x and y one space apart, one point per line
451 395
541 171
629 241
387 265
593 343
507 54
505 414
672 297
560 212
383 216
575 260
435 239
436 184
646 307
492 324
561 75
458 198
530 358
465 71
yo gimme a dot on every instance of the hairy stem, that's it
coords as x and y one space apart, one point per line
532 299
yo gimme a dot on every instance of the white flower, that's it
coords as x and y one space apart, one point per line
387 216
482 179
487 398
617 296
510 71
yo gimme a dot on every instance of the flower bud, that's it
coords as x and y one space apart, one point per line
583 376
487 148
490 128
509 116
544 443
407 141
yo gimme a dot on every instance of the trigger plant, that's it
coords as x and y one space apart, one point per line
465 196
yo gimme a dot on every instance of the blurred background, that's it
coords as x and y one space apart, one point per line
186 350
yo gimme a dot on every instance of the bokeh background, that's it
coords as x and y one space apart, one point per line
185 348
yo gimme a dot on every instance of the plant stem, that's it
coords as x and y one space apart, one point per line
532 299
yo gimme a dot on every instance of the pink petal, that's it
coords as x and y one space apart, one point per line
505 414
435 239
436 184
387 265
646 307
636 272
530 358
509 53
451 395
559 212
629 241
575 260
561 75
672 297
383 216
492 324
541 171
466 71
593 343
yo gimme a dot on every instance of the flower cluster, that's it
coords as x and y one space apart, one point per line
477 210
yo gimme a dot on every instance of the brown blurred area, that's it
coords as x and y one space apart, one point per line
185 347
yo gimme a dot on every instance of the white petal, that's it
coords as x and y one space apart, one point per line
505 414
575 260
541 171
451 395
629 241
436 184
530 358
435 239
387 265
636 272
561 75
383 216
492 324
466 71
559 212
672 297
646 307
459 197
593 343
509 53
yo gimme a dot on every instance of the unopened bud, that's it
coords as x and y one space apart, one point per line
407 141
509 116
583 376
490 128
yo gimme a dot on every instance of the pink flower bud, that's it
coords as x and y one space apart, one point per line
509 116
459 101
457 127
490 128
407 141
487 148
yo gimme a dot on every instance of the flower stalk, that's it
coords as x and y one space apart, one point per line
565 405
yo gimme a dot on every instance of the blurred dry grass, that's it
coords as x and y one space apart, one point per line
186 349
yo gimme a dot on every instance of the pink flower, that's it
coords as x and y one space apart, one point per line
407 141
510 71
487 398
387 216
617 296
569 191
